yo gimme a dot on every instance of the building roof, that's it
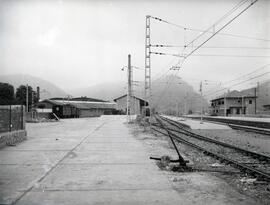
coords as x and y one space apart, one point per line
88 104
82 104
123 96
53 102
83 98
235 94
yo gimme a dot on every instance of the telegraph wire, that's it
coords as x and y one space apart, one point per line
237 84
263 67
214 47
226 84
218 21
206 31
217 55
220 29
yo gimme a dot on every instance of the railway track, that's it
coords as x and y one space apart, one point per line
248 126
247 161
250 129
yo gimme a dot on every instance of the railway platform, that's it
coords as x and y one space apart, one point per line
97 161
196 124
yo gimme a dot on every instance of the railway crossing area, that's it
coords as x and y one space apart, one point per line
99 161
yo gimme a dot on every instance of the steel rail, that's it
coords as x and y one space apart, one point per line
256 155
242 167
249 129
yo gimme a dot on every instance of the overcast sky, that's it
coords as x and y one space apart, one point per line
82 43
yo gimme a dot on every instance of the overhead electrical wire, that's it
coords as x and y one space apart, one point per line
237 84
230 21
214 47
217 55
227 83
200 30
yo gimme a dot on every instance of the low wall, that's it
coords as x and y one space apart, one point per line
12 138
12 125
12 117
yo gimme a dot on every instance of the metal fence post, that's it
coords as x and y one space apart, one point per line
10 118
21 117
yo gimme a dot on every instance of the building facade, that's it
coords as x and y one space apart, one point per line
136 105
77 108
233 103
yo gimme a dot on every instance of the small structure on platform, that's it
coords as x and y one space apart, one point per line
136 104
235 103
76 107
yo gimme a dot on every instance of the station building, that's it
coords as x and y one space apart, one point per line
75 107
235 103
136 104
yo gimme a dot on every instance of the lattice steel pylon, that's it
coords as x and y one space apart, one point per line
147 87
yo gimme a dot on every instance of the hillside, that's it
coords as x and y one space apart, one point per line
105 91
168 94
47 89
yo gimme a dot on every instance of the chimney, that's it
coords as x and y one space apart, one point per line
38 93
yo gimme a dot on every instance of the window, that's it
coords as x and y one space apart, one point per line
222 102
250 101
239 101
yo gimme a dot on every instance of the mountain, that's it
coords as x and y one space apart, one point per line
105 91
47 89
169 94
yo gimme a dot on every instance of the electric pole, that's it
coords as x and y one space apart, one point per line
256 92
147 86
26 97
225 106
201 103
129 88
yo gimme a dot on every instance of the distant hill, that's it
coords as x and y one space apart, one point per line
105 91
171 94
48 90
168 94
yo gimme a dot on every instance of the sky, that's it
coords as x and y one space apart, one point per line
76 44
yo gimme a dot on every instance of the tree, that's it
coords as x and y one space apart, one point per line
21 96
6 94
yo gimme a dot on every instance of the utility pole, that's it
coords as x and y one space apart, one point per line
201 103
129 88
256 92
243 104
147 86
186 105
225 106
32 104
26 97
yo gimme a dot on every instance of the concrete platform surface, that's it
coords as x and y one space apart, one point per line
196 124
97 161
82 161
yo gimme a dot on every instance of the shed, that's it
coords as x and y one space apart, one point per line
136 104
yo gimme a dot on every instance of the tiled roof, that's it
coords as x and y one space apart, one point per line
82 104
126 95
89 105
236 94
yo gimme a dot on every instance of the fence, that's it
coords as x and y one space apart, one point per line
12 118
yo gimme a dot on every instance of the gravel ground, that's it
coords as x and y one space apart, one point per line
260 191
